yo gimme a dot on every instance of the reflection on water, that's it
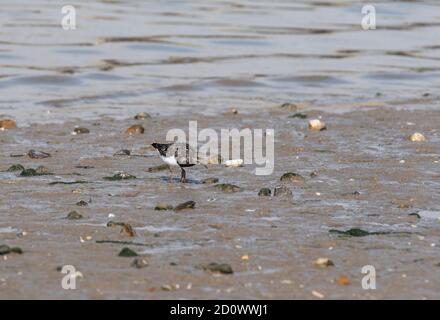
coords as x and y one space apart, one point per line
165 55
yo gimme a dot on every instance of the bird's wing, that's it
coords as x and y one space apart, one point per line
184 154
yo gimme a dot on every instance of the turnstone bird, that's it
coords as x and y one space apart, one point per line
178 154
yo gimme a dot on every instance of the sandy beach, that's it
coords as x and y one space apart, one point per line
360 173
78 190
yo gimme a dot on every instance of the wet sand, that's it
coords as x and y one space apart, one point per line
367 175
195 60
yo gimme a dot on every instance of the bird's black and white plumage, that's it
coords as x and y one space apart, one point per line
178 154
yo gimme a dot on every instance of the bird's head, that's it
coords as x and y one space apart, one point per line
155 145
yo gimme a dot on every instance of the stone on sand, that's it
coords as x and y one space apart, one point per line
135 129
7 124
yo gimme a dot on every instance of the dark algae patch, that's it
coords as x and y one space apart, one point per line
351 232
299 115
15 167
40 171
127 243
4 249
355 232
127 252
67 182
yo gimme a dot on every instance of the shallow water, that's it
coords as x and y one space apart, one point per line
161 56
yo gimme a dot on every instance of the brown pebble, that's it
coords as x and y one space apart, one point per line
128 230
139 263
38 154
135 129
8 124
343 281
142 116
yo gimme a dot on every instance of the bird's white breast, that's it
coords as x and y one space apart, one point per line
170 160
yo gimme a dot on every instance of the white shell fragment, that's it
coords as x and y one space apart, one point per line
234 163
417 137
316 124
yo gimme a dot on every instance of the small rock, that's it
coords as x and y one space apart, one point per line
135 129
15 167
7 124
417 137
317 124
318 294
355 232
120 176
139 263
343 281
38 154
313 174
265 192
128 230
234 163
125 228
163 206
233 111
113 224
226 187
82 203
127 252
282 191
292 177
158 168
289 107
73 215
4 249
80 130
323 262
186 205
211 180
142 116
214 267
41 170
167 287
122 152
